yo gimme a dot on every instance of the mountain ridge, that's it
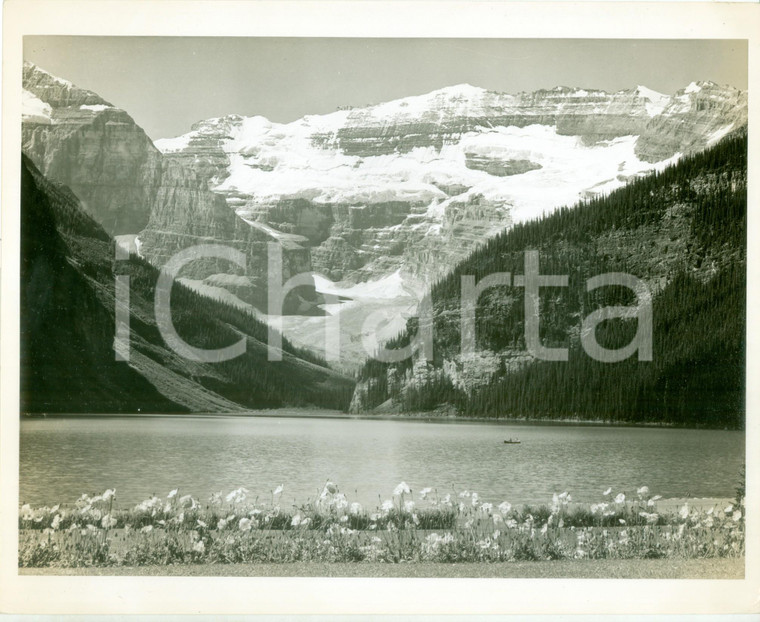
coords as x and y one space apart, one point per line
362 194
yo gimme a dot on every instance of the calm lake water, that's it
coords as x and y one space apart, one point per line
62 458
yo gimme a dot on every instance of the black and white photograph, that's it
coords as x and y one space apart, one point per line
380 307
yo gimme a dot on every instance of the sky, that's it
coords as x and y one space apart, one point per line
168 83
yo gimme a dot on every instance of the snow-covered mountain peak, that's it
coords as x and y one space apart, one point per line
57 92
699 85
460 90
33 68
656 101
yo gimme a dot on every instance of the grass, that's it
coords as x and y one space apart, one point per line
424 530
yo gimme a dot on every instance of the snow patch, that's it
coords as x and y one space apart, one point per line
172 145
95 107
389 287
718 134
693 88
33 109
656 102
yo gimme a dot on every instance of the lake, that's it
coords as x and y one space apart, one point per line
61 458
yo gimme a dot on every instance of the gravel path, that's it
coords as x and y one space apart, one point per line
596 569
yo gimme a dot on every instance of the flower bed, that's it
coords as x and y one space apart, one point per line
455 527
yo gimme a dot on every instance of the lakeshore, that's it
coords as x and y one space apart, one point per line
313 413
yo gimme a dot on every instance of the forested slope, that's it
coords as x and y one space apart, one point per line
681 231
68 362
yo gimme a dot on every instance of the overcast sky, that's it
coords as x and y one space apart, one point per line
169 83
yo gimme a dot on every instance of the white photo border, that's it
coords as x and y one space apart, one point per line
394 19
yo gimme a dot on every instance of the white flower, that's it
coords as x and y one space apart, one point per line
199 547
109 493
415 519
620 498
356 508
401 489
409 506
737 516
296 521
643 492
147 529
387 505
329 489
278 490
215 498
202 524
728 509
305 521
339 501
56 521
497 519
244 524
172 493
505 507
221 524
607 492
425 492
108 521
237 496
487 507
684 511
188 502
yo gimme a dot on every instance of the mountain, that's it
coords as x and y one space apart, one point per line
681 231
416 183
152 205
69 268
376 202
408 188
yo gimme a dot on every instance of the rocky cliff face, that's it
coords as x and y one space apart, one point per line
415 184
79 139
127 185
